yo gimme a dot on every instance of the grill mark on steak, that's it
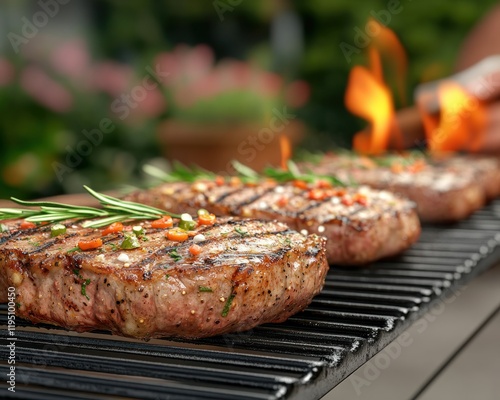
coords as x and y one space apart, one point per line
10 236
228 193
51 243
180 247
236 207
269 274
369 240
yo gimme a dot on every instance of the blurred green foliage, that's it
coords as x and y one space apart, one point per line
32 137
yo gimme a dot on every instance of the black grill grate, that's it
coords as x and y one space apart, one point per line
358 313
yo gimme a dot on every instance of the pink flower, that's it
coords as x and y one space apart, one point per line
111 77
6 72
45 90
72 58
170 63
152 105
269 84
205 87
197 63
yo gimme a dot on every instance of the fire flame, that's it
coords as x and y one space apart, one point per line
286 151
461 123
368 96
388 44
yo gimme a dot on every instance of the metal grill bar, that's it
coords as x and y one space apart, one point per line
358 312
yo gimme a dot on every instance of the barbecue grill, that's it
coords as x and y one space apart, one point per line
359 311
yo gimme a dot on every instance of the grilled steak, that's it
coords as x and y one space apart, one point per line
485 169
249 272
361 224
443 193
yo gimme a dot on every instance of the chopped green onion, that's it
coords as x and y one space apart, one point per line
187 222
187 225
57 229
175 255
138 230
205 289
4 228
202 211
130 242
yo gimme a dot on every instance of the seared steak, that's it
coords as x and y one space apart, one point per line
248 272
486 170
442 192
361 224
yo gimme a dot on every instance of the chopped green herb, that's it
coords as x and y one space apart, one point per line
84 288
57 229
130 242
35 244
76 271
138 230
175 255
205 289
113 246
240 232
167 276
227 306
144 239
18 305
4 228
73 249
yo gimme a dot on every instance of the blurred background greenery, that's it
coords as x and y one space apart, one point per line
63 76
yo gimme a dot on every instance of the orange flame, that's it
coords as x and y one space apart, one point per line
369 97
387 43
286 151
461 123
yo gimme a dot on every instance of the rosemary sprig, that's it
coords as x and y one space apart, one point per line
293 173
181 173
114 210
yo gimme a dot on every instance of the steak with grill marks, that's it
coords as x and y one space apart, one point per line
361 224
443 192
249 272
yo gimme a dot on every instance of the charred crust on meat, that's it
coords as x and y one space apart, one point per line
312 252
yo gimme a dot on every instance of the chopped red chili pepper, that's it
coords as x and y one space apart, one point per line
113 228
162 223
27 225
90 244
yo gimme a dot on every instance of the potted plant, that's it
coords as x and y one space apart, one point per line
225 111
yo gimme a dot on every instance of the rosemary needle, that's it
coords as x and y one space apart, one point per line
113 210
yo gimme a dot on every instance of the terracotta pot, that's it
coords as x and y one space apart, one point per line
214 146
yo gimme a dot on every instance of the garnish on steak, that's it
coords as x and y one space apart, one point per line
361 224
155 279
442 191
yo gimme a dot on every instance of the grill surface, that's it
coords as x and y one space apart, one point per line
358 313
